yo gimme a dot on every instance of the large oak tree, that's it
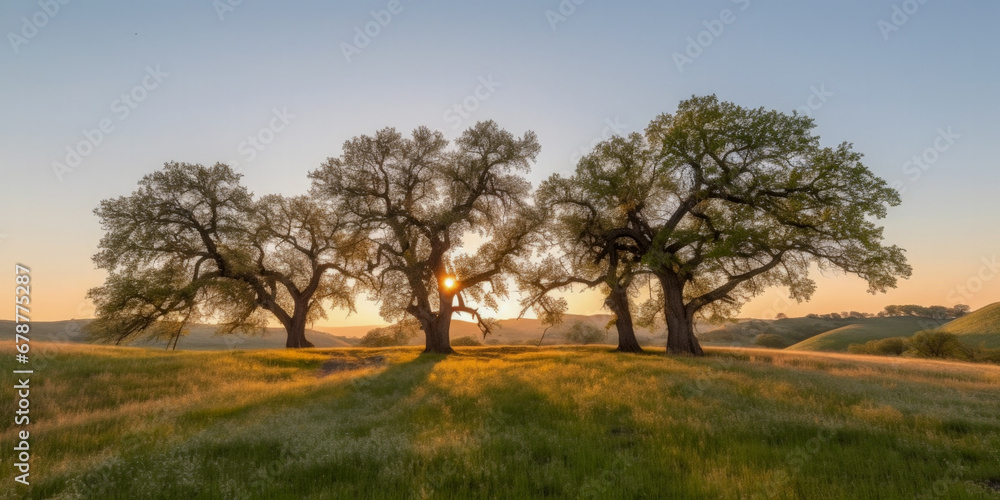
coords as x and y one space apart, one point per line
191 243
736 200
447 223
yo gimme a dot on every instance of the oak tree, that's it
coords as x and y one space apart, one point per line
447 224
740 200
192 244
583 213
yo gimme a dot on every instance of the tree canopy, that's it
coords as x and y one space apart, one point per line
752 200
425 205
713 204
193 244
585 214
719 202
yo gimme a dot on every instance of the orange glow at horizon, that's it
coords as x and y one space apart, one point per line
59 287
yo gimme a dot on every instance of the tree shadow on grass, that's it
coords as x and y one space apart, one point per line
243 444
401 430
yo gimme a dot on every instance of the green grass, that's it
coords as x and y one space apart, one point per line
864 330
982 327
504 422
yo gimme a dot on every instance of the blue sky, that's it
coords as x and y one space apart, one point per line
594 68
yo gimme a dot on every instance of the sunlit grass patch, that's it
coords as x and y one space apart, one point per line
507 422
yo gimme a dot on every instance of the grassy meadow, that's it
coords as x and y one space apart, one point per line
504 422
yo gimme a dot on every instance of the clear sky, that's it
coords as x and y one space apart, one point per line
192 80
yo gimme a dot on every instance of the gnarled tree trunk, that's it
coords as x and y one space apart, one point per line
680 336
437 328
297 338
295 327
680 321
438 339
617 301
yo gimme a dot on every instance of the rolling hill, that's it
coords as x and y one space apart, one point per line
838 339
981 327
201 337
789 331
515 331
799 334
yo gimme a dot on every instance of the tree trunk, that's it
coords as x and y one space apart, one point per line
680 322
437 332
617 301
296 330
438 336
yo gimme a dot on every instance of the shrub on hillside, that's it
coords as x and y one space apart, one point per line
983 354
771 341
392 335
466 341
893 346
585 333
935 344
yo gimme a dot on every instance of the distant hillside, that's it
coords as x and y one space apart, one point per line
514 331
789 331
813 334
863 330
979 327
347 332
201 338
820 334
528 330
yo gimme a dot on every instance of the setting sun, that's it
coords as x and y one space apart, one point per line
449 283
